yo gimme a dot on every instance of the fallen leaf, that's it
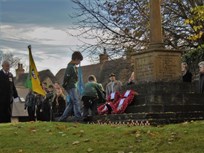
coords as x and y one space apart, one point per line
139 140
86 140
137 135
185 132
185 123
170 139
34 131
89 150
75 142
63 135
170 143
173 134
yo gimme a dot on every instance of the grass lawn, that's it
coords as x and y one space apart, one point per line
58 137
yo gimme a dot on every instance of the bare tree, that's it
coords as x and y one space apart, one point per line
9 57
122 25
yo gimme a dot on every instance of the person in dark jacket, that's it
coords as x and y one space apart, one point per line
8 92
59 102
30 103
47 104
201 78
186 74
39 103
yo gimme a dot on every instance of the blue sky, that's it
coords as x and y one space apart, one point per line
43 24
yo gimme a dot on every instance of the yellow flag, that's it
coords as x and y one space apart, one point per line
33 81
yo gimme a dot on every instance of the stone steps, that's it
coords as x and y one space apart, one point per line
160 103
164 108
150 118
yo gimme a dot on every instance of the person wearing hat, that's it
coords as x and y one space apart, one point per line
201 77
113 86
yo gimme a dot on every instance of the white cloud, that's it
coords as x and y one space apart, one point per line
51 46
42 35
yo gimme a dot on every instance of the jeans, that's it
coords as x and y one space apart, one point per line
73 105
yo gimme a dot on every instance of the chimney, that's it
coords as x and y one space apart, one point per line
103 57
19 71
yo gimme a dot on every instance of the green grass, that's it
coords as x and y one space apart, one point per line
57 137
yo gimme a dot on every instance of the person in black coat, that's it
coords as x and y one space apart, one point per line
39 103
59 102
7 93
187 75
47 103
58 105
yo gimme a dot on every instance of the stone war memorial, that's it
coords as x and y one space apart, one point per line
157 63
163 97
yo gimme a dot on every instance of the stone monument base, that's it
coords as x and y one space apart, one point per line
166 97
158 64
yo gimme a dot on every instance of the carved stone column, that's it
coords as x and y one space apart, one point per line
157 63
156 36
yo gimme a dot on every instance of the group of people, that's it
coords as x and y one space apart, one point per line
92 94
187 75
46 107
55 104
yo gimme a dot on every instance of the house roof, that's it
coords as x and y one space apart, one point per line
60 75
121 67
86 70
42 75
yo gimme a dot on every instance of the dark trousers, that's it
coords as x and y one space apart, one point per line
5 113
90 103
39 113
31 113
46 111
